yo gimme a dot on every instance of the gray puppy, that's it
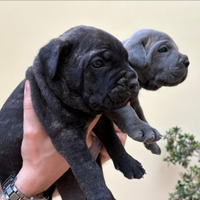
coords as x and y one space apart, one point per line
156 59
73 78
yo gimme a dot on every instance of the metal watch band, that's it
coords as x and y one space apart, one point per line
12 193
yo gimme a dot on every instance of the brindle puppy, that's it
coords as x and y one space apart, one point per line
74 77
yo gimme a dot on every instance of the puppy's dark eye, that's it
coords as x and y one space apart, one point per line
97 64
163 50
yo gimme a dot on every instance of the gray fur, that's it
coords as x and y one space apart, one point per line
155 69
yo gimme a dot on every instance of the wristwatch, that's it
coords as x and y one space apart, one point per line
12 193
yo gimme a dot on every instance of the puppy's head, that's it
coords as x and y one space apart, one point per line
156 59
88 69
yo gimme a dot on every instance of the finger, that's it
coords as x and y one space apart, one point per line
90 132
27 97
122 137
95 148
89 140
93 123
31 123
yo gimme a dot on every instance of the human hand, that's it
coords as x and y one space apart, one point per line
42 164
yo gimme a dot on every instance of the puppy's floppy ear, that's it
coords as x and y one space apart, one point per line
136 53
51 54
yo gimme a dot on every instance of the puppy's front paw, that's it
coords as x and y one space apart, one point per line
130 167
150 135
143 132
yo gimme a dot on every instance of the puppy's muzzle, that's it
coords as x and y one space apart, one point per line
182 68
124 89
127 88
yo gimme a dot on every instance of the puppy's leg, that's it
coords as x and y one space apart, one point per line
128 122
153 147
130 167
72 146
67 184
138 109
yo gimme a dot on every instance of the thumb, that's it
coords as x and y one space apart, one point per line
31 122
32 125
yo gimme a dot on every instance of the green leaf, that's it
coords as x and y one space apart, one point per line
196 182
191 137
196 196
181 148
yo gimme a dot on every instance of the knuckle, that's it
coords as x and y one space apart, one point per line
30 133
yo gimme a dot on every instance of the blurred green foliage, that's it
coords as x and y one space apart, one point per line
182 148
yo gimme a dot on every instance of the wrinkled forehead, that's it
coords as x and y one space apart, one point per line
160 38
89 38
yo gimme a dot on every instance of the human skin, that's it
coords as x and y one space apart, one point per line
42 164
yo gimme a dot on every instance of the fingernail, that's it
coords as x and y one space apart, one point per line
27 87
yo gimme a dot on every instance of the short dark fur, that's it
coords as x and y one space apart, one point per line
125 118
82 73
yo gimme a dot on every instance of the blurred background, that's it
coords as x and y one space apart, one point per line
26 26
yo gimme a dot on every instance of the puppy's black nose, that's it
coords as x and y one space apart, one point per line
131 80
186 63
184 60
132 84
